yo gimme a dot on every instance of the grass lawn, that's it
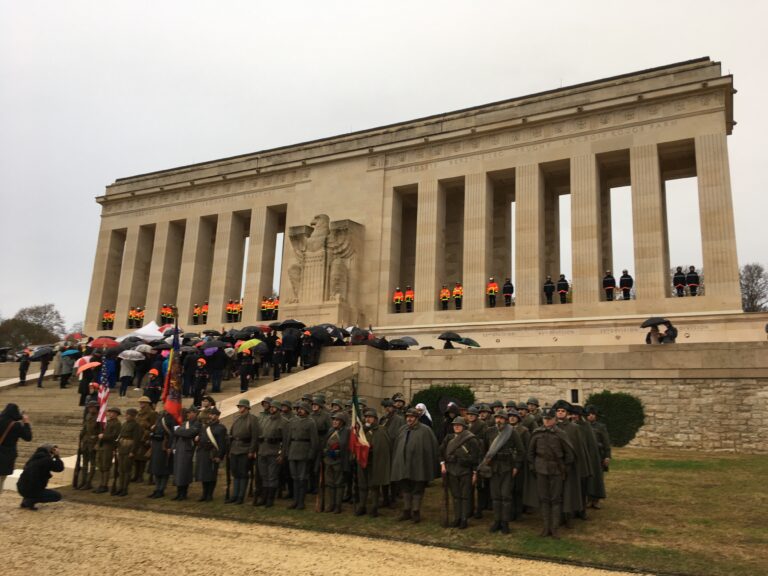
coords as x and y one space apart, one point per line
667 511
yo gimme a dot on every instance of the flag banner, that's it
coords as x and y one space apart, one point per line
103 391
358 443
172 385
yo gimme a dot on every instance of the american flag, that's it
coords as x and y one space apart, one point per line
103 391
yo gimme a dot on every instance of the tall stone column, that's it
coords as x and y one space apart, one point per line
195 270
164 272
478 239
529 234
106 276
718 233
607 233
551 236
649 223
126 288
261 262
586 235
227 265
430 231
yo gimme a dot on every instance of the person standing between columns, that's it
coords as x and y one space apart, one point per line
625 284
131 316
692 281
397 299
549 289
139 317
105 320
458 295
263 308
204 312
445 296
491 289
562 288
410 296
276 311
228 309
508 289
270 308
609 285
195 314
678 281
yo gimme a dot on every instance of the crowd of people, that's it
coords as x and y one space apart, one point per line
504 458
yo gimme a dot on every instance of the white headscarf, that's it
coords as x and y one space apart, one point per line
423 409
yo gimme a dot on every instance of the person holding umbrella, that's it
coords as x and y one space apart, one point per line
23 367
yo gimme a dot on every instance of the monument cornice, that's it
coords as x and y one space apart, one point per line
654 84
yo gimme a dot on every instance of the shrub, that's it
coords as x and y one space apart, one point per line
431 397
622 414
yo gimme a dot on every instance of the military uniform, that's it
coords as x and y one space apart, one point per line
211 450
89 439
322 421
302 448
184 454
460 455
550 454
105 451
376 474
244 446
161 455
335 459
128 443
146 418
508 457
272 427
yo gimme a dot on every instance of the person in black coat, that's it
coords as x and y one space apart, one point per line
24 363
692 281
562 288
13 425
625 283
609 285
34 478
678 281
508 290
549 289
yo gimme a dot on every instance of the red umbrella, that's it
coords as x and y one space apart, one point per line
104 342
88 366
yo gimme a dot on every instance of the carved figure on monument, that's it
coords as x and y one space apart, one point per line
324 258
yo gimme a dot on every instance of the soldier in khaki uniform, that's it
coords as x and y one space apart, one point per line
478 428
146 418
130 438
335 462
243 448
270 454
302 448
89 438
550 454
460 453
105 450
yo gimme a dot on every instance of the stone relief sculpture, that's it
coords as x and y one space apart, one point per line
325 254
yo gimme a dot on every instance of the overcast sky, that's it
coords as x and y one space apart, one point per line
91 91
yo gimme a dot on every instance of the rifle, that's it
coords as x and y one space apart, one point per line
446 502
320 498
76 473
229 477
115 465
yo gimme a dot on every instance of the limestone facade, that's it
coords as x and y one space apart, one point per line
427 202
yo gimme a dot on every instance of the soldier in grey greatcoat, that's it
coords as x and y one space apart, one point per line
578 471
161 454
211 450
549 455
302 446
603 447
323 423
460 452
390 422
184 452
376 473
415 463
244 446
335 462
271 449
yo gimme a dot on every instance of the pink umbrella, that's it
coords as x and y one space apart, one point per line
87 366
82 361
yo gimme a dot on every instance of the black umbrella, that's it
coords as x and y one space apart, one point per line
249 333
163 346
380 343
41 353
215 344
359 335
409 340
468 342
320 334
654 321
275 325
334 331
190 335
212 332
450 336
290 323
427 348
399 344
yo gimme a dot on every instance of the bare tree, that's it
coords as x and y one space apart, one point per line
753 280
44 315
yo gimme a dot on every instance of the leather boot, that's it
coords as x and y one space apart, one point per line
204 495
329 499
233 493
337 498
293 505
504 527
496 526
270 498
374 512
301 492
243 490
416 508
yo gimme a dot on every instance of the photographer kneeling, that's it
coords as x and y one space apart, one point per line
34 478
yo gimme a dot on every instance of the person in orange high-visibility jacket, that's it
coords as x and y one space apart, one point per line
239 310
131 317
105 320
491 289
196 313
277 308
263 307
230 310
111 319
204 312
270 308
139 317
458 295
445 296
397 299
410 296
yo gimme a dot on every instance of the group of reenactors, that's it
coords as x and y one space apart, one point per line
234 310
167 313
136 317
270 307
399 297
625 285
446 294
562 287
200 313
505 458
682 280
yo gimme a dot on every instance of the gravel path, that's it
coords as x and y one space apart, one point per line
68 538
